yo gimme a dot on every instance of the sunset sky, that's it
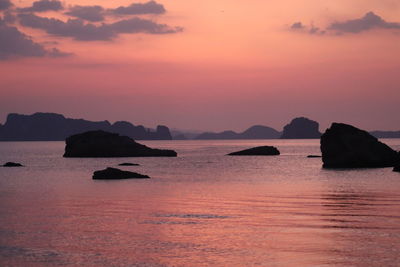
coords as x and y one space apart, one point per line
206 65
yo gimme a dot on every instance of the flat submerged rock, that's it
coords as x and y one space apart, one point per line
116 174
128 164
257 151
13 164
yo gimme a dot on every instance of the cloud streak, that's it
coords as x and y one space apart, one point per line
368 22
89 13
43 5
15 44
150 7
81 31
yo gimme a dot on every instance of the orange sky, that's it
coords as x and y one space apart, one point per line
235 64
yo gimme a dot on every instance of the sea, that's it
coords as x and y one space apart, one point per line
202 208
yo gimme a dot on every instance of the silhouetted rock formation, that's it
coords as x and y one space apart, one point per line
128 164
162 133
12 164
254 132
257 151
301 128
55 127
345 146
314 156
113 174
386 134
128 129
104 144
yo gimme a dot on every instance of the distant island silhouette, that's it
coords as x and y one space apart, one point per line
301 128
55 127
254 132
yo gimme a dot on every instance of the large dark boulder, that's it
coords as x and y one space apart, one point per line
257 151
301 128
105 144
113 174
13 164
345 146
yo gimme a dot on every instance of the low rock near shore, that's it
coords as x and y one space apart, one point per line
128 164
114 174
345 146
104 144
13 164
257 151
397 168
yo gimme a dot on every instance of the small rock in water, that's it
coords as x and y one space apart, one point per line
128 164
13 164
257 151
314 156
113 174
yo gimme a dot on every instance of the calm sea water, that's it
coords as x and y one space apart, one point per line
199 209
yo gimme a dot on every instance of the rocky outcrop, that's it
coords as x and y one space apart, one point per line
162 133
55 127
105 144
345 146
114 174
257 151
12 164
301 128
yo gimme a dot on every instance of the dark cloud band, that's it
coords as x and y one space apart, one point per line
368 22
43 5
150 7
79 30
16 44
